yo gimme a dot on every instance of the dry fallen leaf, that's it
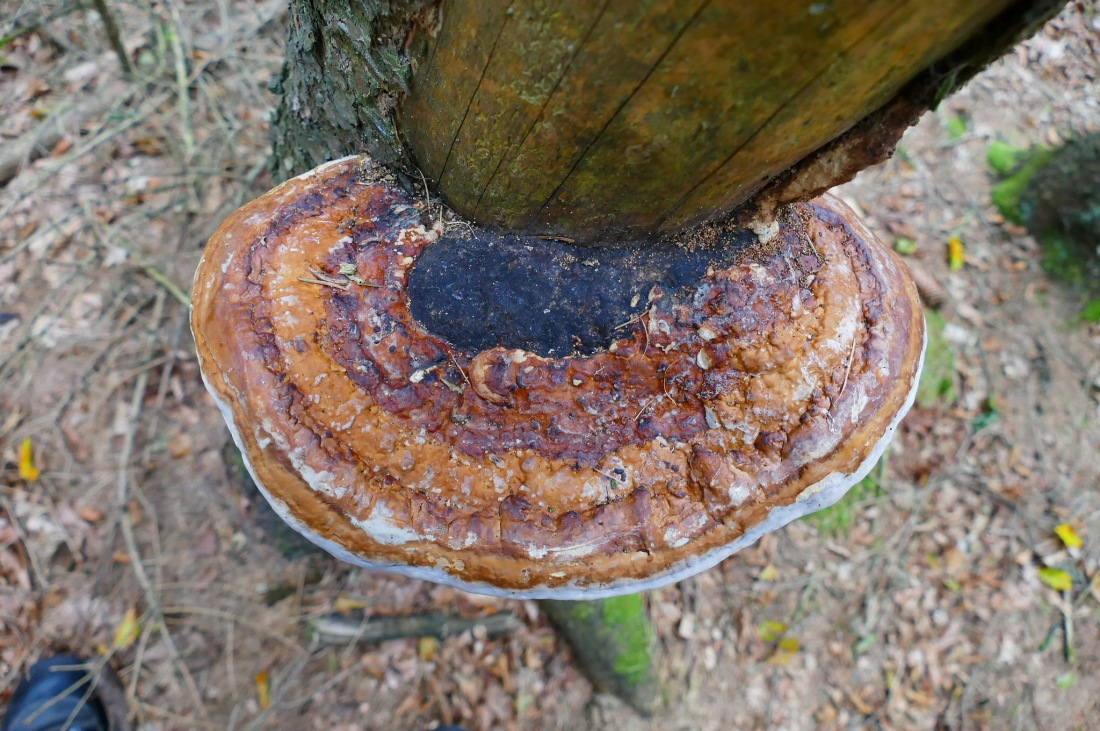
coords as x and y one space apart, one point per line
1056 579
860 704
207 545
63 145
27 470
1068 535
179 446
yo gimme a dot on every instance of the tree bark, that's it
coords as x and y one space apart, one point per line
615 644
346 70
622 120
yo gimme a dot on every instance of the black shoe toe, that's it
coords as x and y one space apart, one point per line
55 694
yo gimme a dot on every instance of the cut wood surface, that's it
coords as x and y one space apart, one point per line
610 120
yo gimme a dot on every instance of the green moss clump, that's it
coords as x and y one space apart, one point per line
937 380
1017 166
635 638
837 520
1056 194
1004 159
614 643
1062 209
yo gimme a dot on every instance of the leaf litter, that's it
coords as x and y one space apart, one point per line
925 604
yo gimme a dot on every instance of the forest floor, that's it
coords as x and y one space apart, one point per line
920 602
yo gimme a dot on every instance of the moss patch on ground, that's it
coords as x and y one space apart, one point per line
938 379
1056 194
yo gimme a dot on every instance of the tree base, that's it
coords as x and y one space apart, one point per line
614 644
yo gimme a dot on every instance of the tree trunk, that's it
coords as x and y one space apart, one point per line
614 642
346 70
621 120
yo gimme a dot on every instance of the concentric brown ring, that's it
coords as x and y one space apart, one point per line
726 409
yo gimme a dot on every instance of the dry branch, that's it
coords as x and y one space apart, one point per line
336 629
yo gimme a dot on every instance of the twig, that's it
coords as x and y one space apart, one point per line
44 137
41 580
113 36
647 405
172 288
464 376
153 272
321 278
183 83
85 680
139 659
343 287
180 721
335 629
162 390
451 386
264 720
18 351
427 195
122 501
848 371
257 627
18 31
297 702
53 130
230 663
1067 627
631 321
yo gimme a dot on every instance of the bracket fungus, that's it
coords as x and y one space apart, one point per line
749 384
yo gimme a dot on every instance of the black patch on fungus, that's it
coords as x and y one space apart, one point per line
479 289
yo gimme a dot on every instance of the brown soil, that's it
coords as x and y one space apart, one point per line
916 605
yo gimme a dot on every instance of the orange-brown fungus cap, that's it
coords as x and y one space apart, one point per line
724 410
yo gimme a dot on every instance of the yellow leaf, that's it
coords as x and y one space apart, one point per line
427 648
27 470
955 254
1055 578
1068 535
263 689
345 604
769 573
128 630
770 630
785 651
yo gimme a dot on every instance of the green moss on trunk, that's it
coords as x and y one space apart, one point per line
614 643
